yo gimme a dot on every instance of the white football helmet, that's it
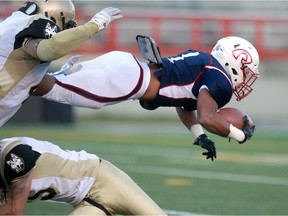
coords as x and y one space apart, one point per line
240 60
62 12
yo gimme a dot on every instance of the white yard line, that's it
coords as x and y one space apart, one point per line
188 173
182 213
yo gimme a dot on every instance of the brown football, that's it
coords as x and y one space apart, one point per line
235 116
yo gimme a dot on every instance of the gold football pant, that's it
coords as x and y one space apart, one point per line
116 193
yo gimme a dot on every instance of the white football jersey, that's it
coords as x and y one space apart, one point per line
19 71
59 175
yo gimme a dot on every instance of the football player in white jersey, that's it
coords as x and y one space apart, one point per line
39 170
29 43
195 82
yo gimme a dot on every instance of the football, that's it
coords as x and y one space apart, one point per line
235 116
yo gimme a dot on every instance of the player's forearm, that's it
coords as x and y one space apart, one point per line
189 119
65 42
213 123
186 117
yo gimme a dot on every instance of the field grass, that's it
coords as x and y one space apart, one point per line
248 179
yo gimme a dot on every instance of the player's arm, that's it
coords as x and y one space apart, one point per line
17 196
190 120
208 117
44 86
66 41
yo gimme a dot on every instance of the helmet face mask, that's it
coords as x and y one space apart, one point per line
62 12
240 60
244 89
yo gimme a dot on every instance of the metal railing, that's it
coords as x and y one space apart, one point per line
177 33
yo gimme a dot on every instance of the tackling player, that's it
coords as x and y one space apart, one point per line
195 82
30 40
33 170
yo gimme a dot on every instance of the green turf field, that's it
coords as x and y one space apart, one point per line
248 179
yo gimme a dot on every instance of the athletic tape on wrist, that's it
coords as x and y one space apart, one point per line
196 130
236 133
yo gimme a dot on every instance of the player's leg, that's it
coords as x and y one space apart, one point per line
85 208
115 190
106 80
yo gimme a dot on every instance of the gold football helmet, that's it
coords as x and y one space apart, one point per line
62 12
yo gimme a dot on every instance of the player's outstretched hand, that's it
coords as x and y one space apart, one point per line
68 67
247 130
105 16
204 142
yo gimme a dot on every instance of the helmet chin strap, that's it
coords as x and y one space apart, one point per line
62 20
3 192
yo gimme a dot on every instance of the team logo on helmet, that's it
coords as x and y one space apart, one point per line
16 163
50 31
242 55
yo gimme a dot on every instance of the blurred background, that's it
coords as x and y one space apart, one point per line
177 26
153 147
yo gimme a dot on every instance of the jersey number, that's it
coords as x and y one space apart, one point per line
46 194
183 56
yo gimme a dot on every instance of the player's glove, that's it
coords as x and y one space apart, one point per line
29 8
104 17
204 142
68 67
247 130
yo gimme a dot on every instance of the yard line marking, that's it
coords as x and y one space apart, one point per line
182 213
206 175
178 181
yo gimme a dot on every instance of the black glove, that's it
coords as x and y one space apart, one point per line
204 142
247 130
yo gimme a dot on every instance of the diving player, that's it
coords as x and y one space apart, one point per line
195 82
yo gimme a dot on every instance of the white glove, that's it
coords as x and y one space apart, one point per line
68 67
104 17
